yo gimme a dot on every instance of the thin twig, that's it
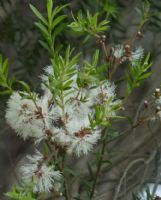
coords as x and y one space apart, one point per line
124 175
61 168
98 169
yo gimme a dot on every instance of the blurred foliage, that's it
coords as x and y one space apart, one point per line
19 39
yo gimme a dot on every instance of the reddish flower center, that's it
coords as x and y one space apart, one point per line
82 132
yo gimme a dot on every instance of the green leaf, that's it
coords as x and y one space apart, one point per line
5 68
5 92
25 86
71 172
38 14
95 58
58 30
58 9
44 45
5 81
43 29
57 21
49 10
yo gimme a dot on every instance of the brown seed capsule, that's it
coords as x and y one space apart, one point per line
127 47
98 39
157 89
146 104
157 93
139 34
103 37
48 133
127 51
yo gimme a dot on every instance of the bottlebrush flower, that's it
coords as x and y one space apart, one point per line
71 126
61 137
102 93
119 51
25 117
83 141
36 170
136 55
74 132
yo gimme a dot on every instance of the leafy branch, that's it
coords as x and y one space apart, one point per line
137 74
50 26
64 68
88 24
18 193
144 12
90 72
6 82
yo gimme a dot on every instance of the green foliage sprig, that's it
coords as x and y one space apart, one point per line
88 24
91 72
51 26
144 12
110 8
64 69
138 73
6 82
18 193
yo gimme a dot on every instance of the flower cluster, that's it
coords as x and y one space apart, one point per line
71 120
36 171
26 117
69 126
123 53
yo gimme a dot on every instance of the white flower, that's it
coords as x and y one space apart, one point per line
24 117
75 124
136 55
101 94
44 104
158 101
66 123
78 107
75 133
72 128
74 108
61 136
119 51
47 71
44 177
83 142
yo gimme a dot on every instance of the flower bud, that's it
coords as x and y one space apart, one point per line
146 104
103 37
139 34
157 93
